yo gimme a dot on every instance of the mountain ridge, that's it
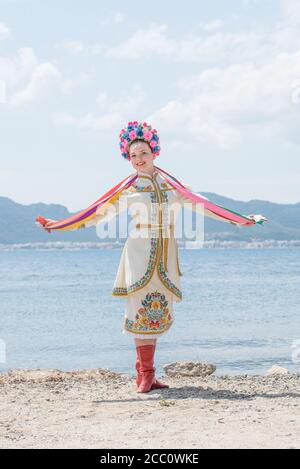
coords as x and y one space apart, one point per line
18 221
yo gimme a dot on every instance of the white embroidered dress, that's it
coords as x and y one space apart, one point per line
149 274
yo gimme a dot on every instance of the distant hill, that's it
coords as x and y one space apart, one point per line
284 219
18 222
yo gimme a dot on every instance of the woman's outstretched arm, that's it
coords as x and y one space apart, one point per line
108 205
208 208
211 210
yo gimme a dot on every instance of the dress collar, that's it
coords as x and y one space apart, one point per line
143 173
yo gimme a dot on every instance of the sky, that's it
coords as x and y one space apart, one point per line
220 81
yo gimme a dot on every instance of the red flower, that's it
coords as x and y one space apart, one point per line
154 324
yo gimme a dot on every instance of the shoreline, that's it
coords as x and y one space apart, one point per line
208 244
99 408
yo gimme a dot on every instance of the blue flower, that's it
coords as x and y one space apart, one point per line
156 148
140 133
155 137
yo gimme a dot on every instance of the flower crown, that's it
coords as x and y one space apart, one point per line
138 131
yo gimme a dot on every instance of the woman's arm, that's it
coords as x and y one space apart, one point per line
94 214
199 207
109 210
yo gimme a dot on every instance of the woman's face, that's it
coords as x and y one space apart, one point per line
141 157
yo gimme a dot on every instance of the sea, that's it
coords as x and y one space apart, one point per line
240 310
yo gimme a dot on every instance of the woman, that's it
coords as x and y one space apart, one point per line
149 274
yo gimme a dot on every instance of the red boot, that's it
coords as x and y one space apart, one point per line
138 378
147 370
156 384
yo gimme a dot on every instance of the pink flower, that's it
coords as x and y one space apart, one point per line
148 135
152 144
132 134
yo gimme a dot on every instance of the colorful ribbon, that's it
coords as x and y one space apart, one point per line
78 220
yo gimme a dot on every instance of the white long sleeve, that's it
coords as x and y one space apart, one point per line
109 210
198 207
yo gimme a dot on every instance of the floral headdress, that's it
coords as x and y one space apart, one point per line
139 131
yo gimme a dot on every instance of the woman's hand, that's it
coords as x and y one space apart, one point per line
44 223
257 218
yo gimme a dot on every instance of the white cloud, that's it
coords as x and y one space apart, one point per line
13 70
78 47
67 86
207 45
102 98
75 47
88 122
116 17
222 106
115 111
152 41
249 94
2 92
130 102
290 10
37 79
5 32
212 25
43 81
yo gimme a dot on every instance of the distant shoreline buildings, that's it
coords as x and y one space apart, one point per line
76 246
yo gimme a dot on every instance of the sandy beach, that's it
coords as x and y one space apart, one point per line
101 409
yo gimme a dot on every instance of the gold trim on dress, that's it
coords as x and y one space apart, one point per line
161 247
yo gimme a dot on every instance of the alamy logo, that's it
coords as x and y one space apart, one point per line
2 92
187 226
295 95
296 351
2 351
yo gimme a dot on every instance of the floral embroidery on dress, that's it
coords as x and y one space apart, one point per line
155 241
154 244
166 187
153 317
160 268
143 188
166 281
142 281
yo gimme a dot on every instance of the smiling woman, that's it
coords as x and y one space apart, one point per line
141 156
149 275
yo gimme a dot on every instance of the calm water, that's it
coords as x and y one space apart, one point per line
240 310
